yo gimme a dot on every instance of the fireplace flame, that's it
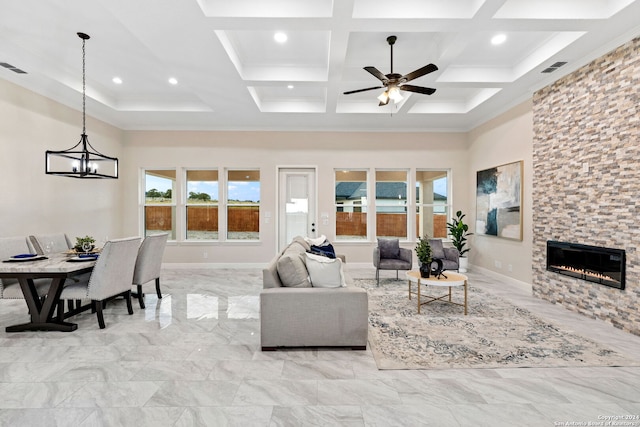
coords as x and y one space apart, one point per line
586 272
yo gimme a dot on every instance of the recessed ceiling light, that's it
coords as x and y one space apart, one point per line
173 81
117 80
280 37
289 86
498 39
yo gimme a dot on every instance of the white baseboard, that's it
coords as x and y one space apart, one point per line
212 265
360 265
501 277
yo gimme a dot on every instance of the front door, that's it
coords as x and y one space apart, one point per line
296 204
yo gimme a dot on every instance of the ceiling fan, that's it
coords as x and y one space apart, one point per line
394 82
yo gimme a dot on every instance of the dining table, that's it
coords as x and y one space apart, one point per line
57 267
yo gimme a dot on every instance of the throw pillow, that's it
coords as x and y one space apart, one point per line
317 241
324 250
325 272
389 248
292 271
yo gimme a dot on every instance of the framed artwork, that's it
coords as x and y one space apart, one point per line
499 201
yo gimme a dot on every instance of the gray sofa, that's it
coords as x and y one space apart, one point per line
293 313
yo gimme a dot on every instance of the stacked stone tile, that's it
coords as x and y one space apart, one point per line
590 118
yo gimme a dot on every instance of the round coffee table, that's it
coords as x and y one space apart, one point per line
452 279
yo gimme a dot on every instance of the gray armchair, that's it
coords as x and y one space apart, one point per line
388 255
449 256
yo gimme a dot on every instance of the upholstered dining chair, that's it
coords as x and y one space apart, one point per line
111 277
10 288
388 255
148 264
449 256
57 243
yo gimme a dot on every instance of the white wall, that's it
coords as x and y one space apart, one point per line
33 202
505 139
269 150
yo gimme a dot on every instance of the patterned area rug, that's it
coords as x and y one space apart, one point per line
494 334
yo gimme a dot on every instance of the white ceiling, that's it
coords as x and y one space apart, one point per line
233 75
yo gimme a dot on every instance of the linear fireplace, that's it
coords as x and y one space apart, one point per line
605 266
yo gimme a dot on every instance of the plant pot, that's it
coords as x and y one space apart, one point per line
463 264
425 271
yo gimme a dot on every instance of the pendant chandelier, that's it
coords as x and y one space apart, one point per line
81 160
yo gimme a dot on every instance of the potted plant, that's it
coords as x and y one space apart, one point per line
423 250
459 232
81 240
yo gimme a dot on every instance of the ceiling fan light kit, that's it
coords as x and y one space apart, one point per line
393 83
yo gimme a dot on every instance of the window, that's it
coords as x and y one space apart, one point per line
243 204
391 203
432 203
202 205
351 204
159 202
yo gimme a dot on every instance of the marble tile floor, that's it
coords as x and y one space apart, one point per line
193 359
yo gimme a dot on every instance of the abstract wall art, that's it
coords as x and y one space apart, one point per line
499 201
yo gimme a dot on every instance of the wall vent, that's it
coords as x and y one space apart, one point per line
553 67
12 68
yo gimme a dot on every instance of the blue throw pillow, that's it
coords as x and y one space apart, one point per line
324 250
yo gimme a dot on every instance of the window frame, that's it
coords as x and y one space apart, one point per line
226 203
364 207
175 192
447 206
185 204
407 200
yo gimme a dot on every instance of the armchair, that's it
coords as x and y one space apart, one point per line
388 255
449 256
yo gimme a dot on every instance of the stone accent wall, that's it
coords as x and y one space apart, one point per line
586 183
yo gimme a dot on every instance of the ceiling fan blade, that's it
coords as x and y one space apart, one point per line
418 89
420 72
377 74
362 90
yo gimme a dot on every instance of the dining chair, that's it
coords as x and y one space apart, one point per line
111 277
10 288
148 264
57 243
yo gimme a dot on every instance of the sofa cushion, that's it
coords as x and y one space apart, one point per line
389 248
325 272
292 270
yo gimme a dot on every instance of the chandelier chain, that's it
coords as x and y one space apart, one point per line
84 96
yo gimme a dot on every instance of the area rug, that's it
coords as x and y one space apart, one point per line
494 334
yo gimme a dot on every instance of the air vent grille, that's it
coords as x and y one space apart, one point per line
12 68
553 67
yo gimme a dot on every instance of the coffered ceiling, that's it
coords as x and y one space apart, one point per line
232 74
